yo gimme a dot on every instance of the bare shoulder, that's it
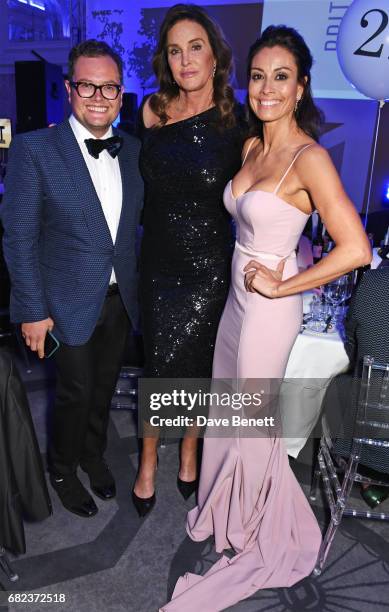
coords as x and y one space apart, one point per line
312 154
314 164
149 117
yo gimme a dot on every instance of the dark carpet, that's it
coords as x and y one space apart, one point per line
117 562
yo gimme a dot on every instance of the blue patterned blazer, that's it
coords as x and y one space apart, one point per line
57 243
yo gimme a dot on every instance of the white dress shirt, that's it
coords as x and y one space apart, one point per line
106 178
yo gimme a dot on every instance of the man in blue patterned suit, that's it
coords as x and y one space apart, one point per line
70 212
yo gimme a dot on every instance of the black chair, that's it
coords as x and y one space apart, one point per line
21 468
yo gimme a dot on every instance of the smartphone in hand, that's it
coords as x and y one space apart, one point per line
51 345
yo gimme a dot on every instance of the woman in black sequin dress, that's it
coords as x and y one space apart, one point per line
192 134
186 248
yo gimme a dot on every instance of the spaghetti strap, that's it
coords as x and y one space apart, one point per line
248 149
290 166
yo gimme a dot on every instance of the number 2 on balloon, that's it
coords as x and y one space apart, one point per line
364 24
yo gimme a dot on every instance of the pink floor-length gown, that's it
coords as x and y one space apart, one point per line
249 498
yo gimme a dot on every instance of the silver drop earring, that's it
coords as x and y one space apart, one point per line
296 105
214 70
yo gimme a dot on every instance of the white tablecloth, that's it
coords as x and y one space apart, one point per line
314 360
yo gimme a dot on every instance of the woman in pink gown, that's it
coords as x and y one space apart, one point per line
249 498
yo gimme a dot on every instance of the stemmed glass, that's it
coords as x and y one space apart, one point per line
318 316
336 292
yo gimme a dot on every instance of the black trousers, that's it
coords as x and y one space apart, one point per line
86 379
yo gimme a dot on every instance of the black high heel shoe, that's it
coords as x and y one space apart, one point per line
144 505
187 488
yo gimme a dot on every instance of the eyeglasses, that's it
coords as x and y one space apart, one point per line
88 90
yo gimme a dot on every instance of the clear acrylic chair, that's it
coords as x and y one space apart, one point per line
125 396
371 429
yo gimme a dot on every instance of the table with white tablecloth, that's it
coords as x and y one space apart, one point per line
315 359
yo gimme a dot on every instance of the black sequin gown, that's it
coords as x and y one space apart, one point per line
187 241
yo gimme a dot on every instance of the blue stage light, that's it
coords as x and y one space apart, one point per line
385 196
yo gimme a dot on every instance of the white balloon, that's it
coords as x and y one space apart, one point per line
363 47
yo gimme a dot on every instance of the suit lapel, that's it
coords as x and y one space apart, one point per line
124 171
84 188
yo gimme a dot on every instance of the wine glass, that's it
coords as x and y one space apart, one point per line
338 291
318 315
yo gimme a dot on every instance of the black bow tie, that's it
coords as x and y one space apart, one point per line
95 145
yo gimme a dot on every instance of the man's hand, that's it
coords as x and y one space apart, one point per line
34 334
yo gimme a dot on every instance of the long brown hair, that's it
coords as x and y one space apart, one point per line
223 95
